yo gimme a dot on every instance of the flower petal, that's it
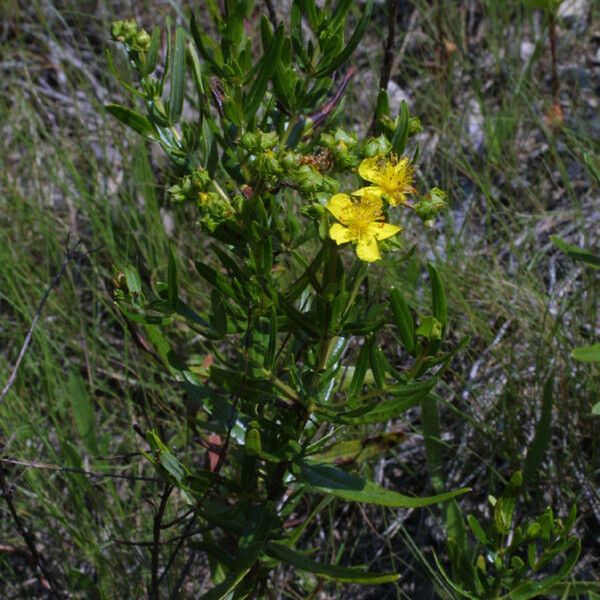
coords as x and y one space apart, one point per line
338 204
370 169
383 231
368 250
373 191
403 169
339 234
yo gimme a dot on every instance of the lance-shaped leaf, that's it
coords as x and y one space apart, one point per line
359 450
405 396
350 47
328 479
403 319
438 296
173 293
400 136
576 253
268 65
152 56
587 353
228 585
132 119
177 77
335 572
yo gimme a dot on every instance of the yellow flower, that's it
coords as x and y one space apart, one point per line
361 222
392 176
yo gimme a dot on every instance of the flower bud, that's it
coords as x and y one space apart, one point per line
429 206
142 41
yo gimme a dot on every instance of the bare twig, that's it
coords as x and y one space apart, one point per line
553 54
158 517
183 575
150 543
328 107
272 12
439 24
388 53
70 255
37 560
177 548
51 467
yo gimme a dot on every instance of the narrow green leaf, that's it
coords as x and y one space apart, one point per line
541 439
327 479
177 77
268 65
568 589
403 319
335 572
532 589
360 371
133 120
576 253
132 279
400 136
224 589
351 46
269 361
218 316
587 353
477 529
438 296
152 55
206 54
405 396
359 450
172 280
377 363
83 412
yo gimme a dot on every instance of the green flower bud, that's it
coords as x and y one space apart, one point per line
429 206
116 31
130 29
142 41
414 126
268 140
375 146
250 141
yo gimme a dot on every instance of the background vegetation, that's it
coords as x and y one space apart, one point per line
479 75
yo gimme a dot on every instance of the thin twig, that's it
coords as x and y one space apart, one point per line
554 58
183 575
27 536
328 107
70 255
158 517
177 548
388 53
439 22
50 467
272 13
150 543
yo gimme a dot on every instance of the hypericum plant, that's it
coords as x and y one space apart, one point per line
519 559
287 360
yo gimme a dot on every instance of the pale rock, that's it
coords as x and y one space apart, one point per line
526 51
475 125
168 221
575 13
396 95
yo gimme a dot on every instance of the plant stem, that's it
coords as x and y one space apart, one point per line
388 53
553 55
28 538
158 517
